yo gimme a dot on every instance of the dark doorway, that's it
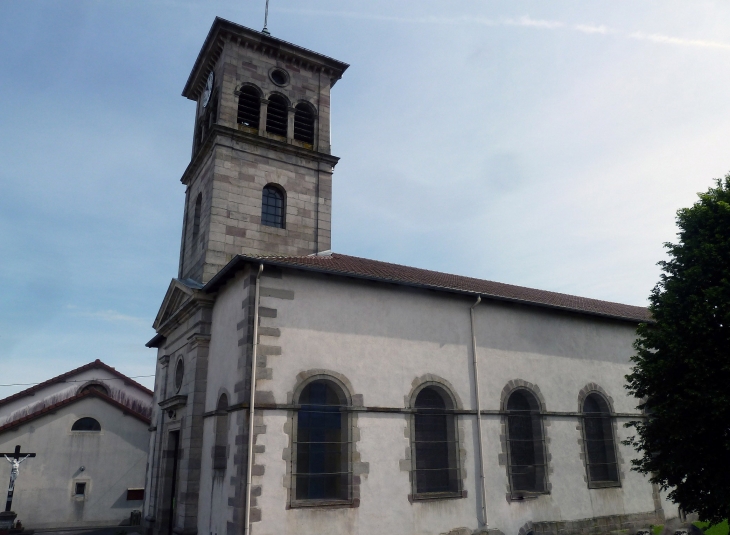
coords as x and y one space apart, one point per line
173 452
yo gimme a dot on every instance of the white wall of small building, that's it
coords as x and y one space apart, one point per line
382 338
113 460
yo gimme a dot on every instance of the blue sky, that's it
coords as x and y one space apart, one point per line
545 144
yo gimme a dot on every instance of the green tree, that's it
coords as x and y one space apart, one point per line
681 372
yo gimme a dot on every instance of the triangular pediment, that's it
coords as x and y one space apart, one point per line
178 294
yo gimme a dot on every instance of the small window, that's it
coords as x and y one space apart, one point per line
277 115
179 374
86 424
322 470
599 443
220 450
135 495
279 76
434 445
304 123
249 107
80 489
196 217
527 473
96 388
272 207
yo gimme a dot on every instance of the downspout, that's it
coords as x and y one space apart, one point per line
479 413
249 468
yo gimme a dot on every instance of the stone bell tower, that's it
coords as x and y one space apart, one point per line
260 177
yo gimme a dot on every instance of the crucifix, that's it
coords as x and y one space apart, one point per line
14 461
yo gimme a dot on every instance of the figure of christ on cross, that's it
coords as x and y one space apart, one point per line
14 461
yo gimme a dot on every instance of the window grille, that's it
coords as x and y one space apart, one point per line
526 444
599 443
277 115
272 207
86 424
220 449
322 449
435 446
303 123
249 107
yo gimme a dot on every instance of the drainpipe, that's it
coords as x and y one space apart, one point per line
247 528
479 412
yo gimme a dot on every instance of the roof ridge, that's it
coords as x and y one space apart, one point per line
59 378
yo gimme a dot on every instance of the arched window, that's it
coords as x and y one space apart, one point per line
599 444
434 445
277 115
322 470
249 107
179 374
95 387
86 424
272 206
220 450
527 473
196 218
304 123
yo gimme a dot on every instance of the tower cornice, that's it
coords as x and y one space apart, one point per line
217 130
224 30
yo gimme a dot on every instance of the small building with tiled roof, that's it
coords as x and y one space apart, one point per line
304 391
89 430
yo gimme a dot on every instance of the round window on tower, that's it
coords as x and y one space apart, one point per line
279 76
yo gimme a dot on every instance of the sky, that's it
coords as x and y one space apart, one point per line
543 144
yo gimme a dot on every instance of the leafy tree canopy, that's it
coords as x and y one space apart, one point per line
681 369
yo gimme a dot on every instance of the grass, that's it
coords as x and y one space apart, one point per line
719 529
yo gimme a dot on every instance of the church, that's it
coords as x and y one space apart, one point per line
302 391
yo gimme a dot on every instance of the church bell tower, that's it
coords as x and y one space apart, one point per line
260 177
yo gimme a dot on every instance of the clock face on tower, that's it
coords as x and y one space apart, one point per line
208 90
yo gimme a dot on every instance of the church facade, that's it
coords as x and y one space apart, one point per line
303 391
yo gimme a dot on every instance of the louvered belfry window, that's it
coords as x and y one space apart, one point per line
303 123
249 107
435 447
277 115
272 207
527 469
322 470
599 443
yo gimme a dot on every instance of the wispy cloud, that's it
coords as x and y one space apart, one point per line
524 22
112 316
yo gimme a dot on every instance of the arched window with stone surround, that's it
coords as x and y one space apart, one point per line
273 206
249 107
322 467
434 445
526 444
304 123
600 447
277 115
220 450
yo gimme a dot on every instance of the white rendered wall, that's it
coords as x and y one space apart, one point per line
384 337
114 460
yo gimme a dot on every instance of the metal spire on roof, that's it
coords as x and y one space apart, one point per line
266 19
